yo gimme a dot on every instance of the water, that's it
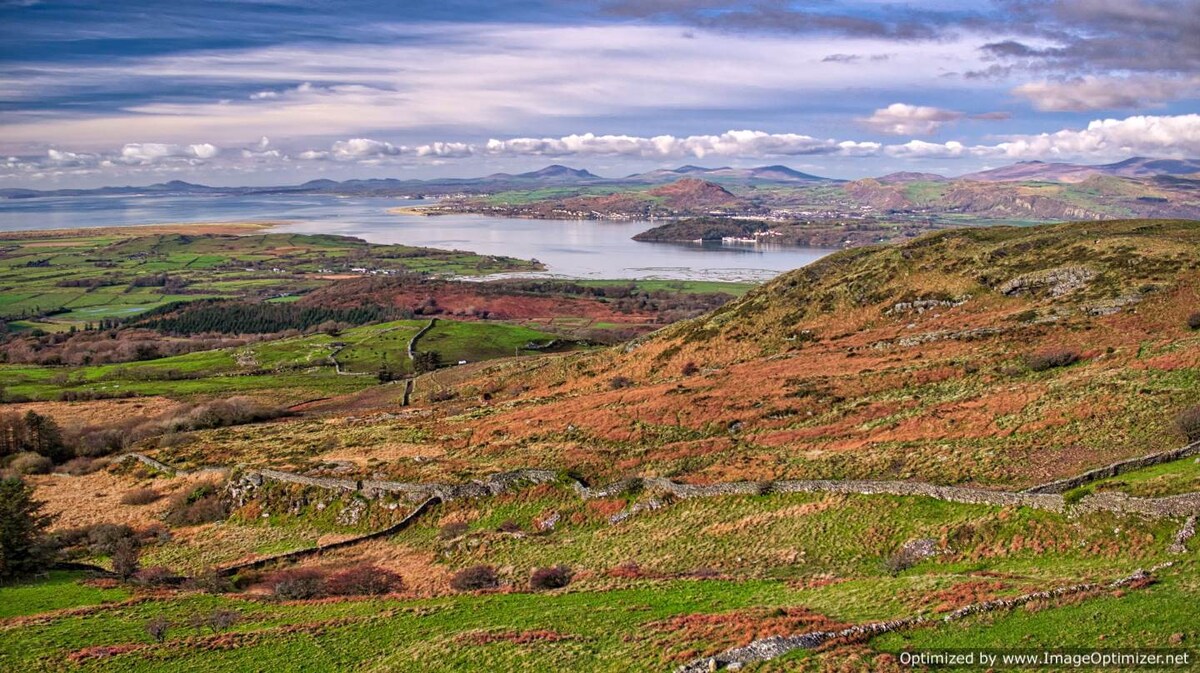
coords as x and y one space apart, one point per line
569 248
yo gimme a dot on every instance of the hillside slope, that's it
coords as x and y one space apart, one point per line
909 361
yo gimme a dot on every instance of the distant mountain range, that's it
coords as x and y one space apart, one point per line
557 175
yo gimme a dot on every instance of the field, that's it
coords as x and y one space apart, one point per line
292 369
79 277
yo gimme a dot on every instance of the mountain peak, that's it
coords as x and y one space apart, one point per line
557 171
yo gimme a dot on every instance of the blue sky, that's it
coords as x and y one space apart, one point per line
262 92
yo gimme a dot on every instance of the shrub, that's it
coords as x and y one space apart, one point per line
296 583
157 628
23 546
30 463
554 577
364 580
78 467
211 582
619 382
200 505
1193 320
154 576
125 557
690 369
509 526
1049 359
1188 423
140 496
452 530
474 579
217 620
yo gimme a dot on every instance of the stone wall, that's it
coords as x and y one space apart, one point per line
1120 467
777 646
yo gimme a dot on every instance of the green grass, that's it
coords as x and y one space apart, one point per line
35 273
60 591
1173 478
475 341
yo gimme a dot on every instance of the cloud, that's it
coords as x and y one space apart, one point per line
743 143
902 119
149 153
1107 93
357 149
476 78
894 22
1164 136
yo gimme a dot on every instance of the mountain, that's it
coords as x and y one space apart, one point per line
692 193
557 172
730 175
903 177
1065 172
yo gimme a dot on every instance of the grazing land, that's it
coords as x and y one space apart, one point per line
840 457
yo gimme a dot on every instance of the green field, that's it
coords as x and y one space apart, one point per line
86 277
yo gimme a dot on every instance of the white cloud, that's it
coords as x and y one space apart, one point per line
1163 136
743 143
485 76
902 119
362 148
1108 93
149 153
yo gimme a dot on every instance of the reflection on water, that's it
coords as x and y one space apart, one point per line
569 248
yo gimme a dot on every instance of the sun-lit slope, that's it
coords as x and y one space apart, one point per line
901 362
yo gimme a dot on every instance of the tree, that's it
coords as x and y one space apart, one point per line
45 437
125 557
23 546
426 361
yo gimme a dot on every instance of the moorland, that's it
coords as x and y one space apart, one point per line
890 449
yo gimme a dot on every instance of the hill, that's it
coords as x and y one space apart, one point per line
909 360
1134 167
833 469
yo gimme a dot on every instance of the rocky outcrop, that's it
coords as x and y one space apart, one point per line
1185 533
1057 282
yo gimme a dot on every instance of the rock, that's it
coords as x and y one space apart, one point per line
1061 281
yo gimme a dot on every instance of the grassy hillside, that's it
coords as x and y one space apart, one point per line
998 358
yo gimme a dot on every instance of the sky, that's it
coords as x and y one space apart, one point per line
254 92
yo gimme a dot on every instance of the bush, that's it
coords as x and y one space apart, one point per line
155 576
452 530
125 557
1049 359
200 505
31 463
157 628
23 544
364 580
211 582
554 577
140 496
474 579
619 382
217 620
509 526
1188 423
1193 320
77 467
296 583
690 369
